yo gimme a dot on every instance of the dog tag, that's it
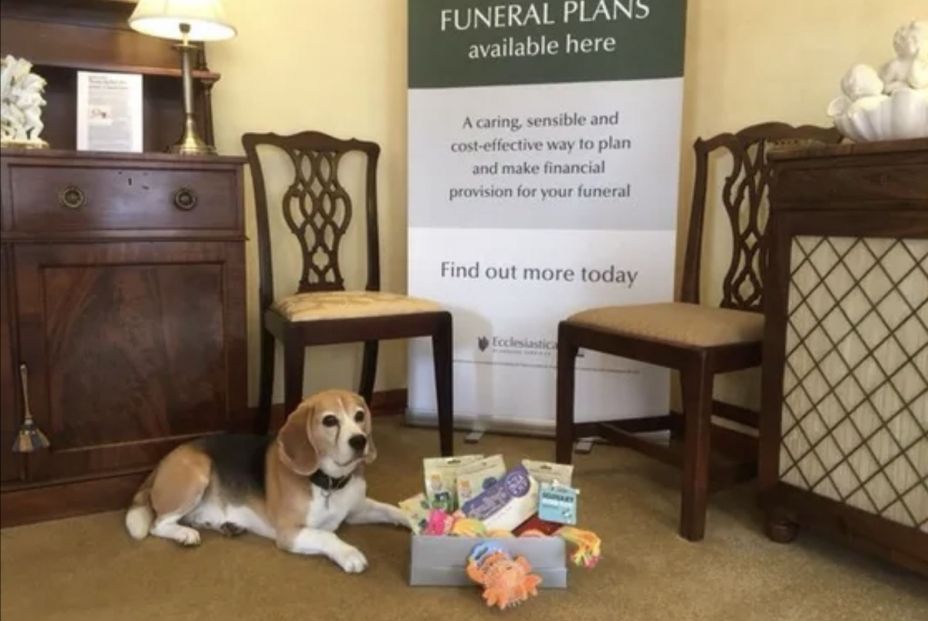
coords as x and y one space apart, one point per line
558 503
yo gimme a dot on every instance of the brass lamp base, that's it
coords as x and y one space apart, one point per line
191 143
184 148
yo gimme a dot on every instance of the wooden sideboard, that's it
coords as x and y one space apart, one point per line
122 275
844 427
123 294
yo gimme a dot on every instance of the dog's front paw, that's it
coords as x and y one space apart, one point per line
398 517
350 559
188 537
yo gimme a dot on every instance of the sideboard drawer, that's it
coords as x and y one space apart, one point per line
112 198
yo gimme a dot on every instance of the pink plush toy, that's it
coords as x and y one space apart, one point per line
439 522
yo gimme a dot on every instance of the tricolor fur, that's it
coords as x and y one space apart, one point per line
237 483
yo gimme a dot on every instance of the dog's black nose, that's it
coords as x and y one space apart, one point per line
357 442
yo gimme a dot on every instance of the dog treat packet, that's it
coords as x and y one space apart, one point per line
441 479
557 503
548 472
478 476
508 503
417 510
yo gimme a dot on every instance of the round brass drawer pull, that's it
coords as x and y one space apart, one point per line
72 197
185 199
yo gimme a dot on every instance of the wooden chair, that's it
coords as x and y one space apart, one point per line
318 211
699 341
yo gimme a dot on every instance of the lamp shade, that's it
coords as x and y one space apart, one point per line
163 18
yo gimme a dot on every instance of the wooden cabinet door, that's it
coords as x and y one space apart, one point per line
131 349
10 412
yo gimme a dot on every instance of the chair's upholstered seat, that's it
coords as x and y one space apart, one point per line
676 322
323 305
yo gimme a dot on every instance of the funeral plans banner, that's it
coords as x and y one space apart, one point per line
543 164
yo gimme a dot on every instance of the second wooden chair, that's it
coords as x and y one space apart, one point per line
697 340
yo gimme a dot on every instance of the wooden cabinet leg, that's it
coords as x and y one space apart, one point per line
781 529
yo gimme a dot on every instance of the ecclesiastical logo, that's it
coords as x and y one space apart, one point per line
483 342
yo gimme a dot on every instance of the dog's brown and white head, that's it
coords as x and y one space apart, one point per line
330 430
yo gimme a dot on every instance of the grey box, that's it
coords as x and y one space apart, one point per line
441 561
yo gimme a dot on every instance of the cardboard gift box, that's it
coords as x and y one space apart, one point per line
441 560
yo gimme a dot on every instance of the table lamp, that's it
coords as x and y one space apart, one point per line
184 21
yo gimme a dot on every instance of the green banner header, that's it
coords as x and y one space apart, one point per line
482 43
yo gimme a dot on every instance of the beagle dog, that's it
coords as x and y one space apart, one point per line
296 488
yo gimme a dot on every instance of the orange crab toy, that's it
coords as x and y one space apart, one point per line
506 582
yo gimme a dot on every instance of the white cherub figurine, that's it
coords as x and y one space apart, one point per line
863 90
910 67
892 103
861 81
20 103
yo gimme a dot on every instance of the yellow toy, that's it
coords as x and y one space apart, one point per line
468 527
588 545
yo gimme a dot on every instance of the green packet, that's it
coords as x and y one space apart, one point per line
441 479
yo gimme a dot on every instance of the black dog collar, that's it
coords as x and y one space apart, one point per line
329 484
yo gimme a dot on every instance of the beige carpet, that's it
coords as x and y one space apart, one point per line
88 568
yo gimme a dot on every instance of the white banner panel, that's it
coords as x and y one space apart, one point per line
541 184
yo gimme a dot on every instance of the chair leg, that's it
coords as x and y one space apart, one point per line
369 370
697 408
262 423
566 363
443 357
294 360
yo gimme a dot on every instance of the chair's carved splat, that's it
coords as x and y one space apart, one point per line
744 197
316 207
318 211
745 201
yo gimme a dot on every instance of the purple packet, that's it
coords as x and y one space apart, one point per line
508 503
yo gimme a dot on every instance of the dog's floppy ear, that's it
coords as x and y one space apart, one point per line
371 454
294 441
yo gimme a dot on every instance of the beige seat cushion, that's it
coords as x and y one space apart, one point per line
676 322
350 304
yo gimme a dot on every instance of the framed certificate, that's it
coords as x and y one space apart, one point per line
109 111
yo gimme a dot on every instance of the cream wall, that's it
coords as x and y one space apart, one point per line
340 66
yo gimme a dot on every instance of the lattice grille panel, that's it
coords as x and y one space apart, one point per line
855 384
